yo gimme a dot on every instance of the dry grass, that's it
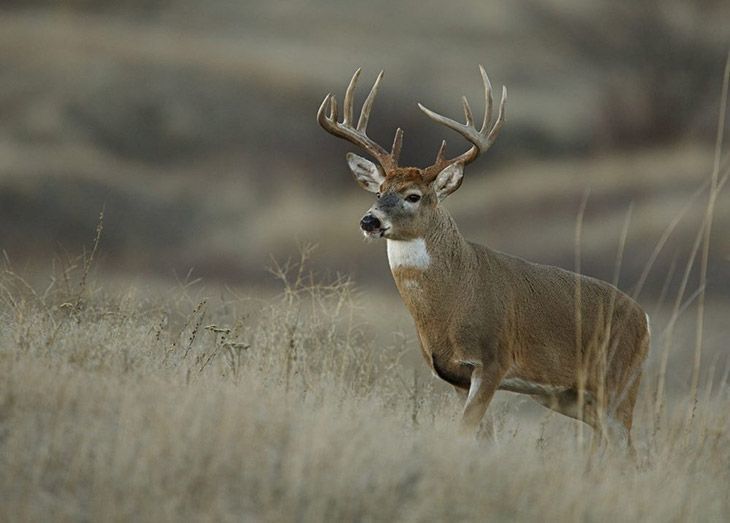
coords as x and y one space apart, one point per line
124 406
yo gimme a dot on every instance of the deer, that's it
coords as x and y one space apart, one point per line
487 320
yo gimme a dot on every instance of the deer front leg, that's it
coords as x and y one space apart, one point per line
484 382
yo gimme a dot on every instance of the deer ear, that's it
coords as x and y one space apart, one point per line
366 172
448 180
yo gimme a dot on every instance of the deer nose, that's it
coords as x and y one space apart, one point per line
369 223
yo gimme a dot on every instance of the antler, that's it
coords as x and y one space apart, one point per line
481 139
357 135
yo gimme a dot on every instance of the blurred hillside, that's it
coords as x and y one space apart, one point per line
192 125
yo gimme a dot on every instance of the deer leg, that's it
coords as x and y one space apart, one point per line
620 421
483 383
618 411
567 404
608 428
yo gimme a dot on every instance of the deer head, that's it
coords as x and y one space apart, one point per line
407 196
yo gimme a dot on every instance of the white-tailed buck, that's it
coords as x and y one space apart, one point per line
487 320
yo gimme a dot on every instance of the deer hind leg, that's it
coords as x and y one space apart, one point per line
618 413
568 403
623 392
609 428
611 418
621 418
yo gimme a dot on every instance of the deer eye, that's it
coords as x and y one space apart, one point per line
377 195
413 198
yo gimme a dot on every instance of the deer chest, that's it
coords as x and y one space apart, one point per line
452 372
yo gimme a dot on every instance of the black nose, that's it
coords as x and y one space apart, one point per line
369 223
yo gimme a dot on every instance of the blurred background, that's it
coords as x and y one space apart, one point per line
192 124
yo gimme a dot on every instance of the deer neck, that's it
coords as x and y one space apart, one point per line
426 269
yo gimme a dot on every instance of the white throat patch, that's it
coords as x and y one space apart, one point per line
411 253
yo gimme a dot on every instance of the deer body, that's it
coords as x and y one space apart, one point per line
487 320
518 320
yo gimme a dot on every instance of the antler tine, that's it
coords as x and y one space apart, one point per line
441 155
397 145
349 96
334 114
482 139
467 112
367 106
322 111
500 117
487 99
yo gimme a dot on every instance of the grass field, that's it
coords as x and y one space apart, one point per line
218 406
